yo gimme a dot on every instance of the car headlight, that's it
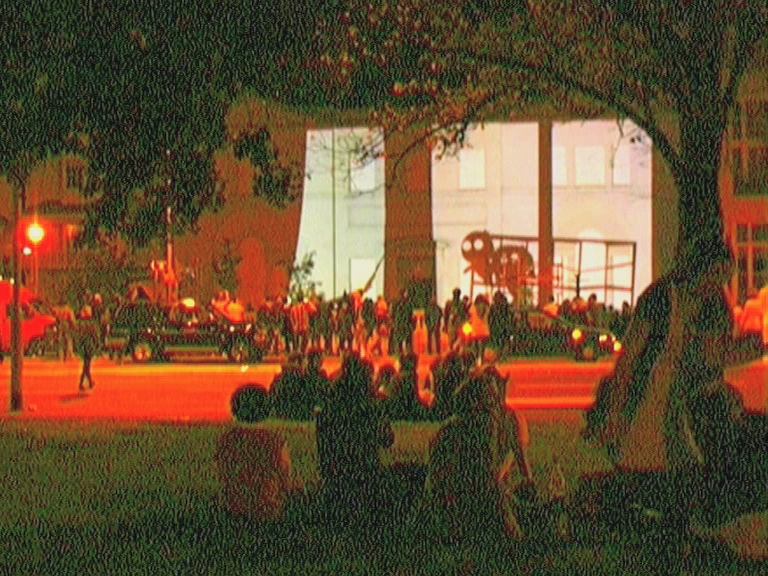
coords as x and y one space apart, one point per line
577 334
603 337
617 346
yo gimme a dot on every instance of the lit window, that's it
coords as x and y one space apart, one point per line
755 118
750 170
590 165
362 175
621 166
760 233
559 166
742 231
749 154
471 169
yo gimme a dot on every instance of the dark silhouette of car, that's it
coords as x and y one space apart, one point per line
149 332
538 333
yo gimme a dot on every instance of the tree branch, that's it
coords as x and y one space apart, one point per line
609 99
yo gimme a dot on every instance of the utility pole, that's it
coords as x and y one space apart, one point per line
171 269
333 205
17 350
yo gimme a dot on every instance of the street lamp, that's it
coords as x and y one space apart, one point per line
35 233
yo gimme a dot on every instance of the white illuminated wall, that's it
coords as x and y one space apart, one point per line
345 203
601 190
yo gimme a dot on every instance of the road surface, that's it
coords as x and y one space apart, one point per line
192 392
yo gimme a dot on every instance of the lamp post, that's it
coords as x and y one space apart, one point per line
169 255
35 233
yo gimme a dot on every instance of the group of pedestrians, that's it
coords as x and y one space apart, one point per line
415 323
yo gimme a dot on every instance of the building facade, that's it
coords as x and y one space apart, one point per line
404 213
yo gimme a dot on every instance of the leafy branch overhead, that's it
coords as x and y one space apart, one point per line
672 67
273 181
301 283
141 92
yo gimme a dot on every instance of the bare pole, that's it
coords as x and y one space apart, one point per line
333 205
17 350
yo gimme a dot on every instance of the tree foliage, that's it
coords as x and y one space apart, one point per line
33 87
301 283
225 267
140 89
674 68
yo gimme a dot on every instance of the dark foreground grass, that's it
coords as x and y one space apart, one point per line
119 498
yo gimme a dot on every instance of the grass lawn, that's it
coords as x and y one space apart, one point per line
122 498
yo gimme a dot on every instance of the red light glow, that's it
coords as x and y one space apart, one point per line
35 233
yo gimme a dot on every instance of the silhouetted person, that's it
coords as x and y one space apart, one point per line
346 325
87 344
500 323
386 382
316 381
293 399
470 464
403 400
432 317
255 471
351 429
447 376
401 325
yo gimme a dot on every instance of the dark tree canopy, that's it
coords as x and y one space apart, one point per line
672 67
141 89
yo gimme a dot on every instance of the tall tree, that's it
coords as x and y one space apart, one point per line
33 122
672 67
148 114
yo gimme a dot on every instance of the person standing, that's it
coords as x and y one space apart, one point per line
433 315
87 344
401 324
499 323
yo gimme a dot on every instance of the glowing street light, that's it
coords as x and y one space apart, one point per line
36 233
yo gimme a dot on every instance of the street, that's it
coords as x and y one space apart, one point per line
192 392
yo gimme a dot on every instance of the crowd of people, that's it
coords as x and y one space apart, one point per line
677 432
413 323
478 456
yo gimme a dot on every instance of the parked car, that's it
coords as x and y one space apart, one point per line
148 332
38 321
537 333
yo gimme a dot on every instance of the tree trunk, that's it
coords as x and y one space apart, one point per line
699 207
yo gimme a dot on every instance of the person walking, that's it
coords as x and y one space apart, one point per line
87 344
